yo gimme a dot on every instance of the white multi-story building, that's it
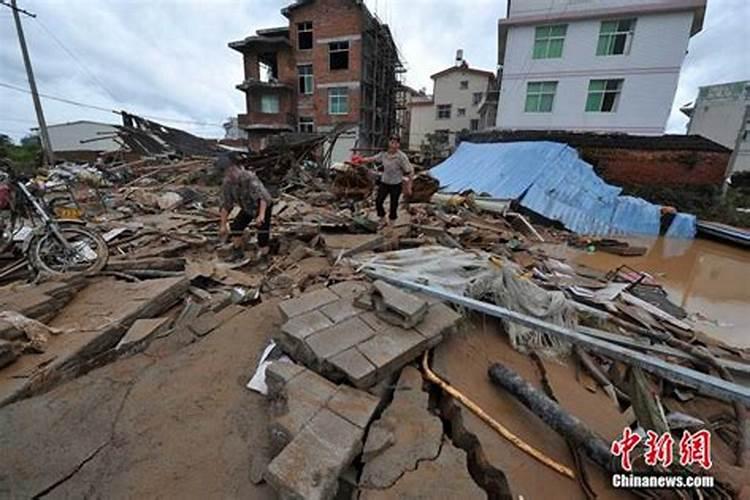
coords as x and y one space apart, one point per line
458 103
722 113
593 65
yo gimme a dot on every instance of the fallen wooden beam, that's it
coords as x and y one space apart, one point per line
702 382
567 425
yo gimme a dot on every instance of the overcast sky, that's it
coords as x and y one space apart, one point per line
169 58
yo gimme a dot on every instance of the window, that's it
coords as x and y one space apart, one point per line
603 95
549 40
442 137
338 55
464 84
476 98
444 112
540 96
305 73
461 112
269 103
474 125
615 37
338 101
306 125
305 36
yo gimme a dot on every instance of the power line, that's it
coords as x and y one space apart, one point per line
106 110
18 120
77 60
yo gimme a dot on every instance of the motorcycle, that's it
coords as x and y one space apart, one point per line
53 246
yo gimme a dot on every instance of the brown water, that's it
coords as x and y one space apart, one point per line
701 276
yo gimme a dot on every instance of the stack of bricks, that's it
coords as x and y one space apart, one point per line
317 429
326 331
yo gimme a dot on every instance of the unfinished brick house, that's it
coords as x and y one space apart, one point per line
334 64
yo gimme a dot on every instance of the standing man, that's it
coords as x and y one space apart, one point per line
397 177
243 188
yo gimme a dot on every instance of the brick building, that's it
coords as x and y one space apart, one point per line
334 64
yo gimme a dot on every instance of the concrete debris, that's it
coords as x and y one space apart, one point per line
311 417
141 331
396 306
446 477
328 333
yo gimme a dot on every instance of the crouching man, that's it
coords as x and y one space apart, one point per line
243 188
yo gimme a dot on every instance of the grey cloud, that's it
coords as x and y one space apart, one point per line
170 58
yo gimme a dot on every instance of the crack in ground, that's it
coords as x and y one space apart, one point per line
72 473
419 462
131 385
487 477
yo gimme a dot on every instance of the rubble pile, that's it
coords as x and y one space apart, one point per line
378 345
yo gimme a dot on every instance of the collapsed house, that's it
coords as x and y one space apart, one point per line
551 180
83 141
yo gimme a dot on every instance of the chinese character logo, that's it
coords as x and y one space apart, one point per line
694 448
623 447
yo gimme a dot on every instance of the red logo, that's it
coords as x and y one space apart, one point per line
694 448
624 446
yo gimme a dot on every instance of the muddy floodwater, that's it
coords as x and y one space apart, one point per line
701 276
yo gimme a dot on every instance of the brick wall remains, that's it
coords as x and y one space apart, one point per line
631 167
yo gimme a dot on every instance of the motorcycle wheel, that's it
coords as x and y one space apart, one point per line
90 252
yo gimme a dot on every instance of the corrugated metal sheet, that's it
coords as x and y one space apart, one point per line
550 179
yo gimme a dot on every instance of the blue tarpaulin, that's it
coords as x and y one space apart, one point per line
550 179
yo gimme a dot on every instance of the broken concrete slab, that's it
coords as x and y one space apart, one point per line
177 426
355 406
397 306
204 324
406 434
94 322
346 245
345 342
306 303
141 331
327 343
392 348
333 441
311 417
340 310
39 301
447 476
280 373
358 369
301 399
439 321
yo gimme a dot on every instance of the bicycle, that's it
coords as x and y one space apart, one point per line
53 246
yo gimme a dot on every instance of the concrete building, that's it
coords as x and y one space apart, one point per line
593 65
722 113
459 96
334 64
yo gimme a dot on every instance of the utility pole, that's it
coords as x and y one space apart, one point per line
744 128
44 136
